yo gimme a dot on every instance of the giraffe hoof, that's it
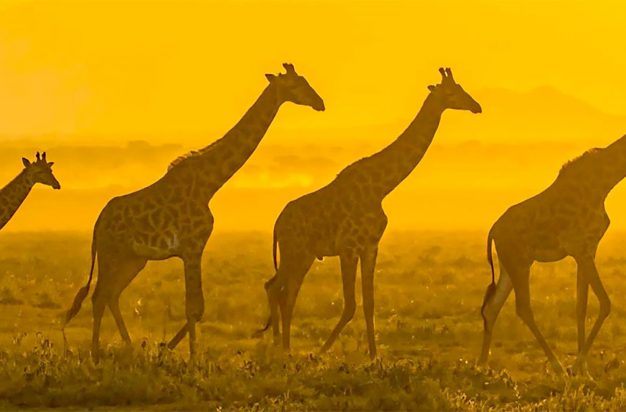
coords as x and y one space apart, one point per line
257 334
579 369
555 367
558 369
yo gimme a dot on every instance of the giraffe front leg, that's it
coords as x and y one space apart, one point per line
582 295
591 275
194 299
178 337
368 264
519 275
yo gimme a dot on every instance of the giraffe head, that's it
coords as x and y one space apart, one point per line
294 88
452 94
40 171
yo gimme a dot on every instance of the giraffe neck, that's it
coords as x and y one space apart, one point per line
213 165
386 169
612 166
12 196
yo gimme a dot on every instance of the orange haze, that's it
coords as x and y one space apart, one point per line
115 90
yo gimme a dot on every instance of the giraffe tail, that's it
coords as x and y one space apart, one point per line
84 291
275 249
268 285
264 329
491 289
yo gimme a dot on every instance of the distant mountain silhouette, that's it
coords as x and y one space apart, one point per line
539 115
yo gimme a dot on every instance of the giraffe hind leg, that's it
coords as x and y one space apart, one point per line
348 276
491 308
519 272
98 304
273 289
114 306
114 275
99 300
274 312
291 271
126 271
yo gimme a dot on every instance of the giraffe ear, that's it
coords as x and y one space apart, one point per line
26 162
431 88
270 77
50 164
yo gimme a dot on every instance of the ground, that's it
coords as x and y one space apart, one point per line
429 287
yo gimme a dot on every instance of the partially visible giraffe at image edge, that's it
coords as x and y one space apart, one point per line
346 218
15 192
171 217
566 219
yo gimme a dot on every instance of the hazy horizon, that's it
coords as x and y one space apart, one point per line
113 107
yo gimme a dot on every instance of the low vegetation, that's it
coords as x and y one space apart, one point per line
429 288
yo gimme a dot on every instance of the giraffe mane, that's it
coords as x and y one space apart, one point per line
192 153
570 163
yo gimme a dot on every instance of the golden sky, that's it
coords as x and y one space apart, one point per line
157 67
76 74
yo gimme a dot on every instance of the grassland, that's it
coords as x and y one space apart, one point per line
429 288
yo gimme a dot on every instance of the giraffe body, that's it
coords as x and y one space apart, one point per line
346 218
171 218
550 228
330 222
149 223
567 219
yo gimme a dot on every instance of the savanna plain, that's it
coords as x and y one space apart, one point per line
429 288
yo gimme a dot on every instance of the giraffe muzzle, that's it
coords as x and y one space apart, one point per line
477 109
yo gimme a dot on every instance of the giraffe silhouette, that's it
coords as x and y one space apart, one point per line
566 219
171 217
15 192
346 218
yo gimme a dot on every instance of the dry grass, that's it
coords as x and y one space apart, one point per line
429 288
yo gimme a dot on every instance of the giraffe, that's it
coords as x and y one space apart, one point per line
346 218
14 193
171 217
566 219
